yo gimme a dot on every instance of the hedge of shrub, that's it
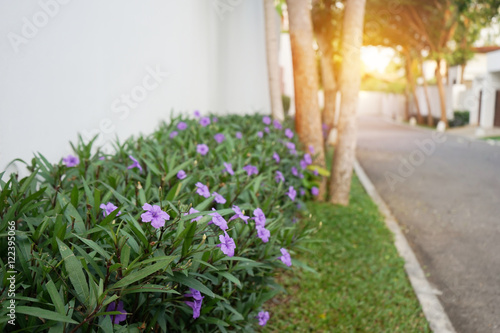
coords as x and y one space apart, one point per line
181 230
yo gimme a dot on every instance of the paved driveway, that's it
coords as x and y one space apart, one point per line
445 192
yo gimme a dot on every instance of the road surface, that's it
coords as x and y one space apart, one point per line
445 192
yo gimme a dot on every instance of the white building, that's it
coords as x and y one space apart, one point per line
119 67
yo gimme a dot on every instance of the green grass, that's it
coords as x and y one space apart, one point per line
361 285
491 138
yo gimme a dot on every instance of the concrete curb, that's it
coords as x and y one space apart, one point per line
432 308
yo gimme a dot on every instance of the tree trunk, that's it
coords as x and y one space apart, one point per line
442 96
462 72
411 82
430 121
329 83
307 113
350 81
407 103
273 68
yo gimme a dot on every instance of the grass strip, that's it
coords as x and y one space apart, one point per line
360 285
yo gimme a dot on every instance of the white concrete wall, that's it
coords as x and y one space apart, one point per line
383 104
490 85
67 67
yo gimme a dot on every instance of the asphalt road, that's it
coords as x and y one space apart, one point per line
445 193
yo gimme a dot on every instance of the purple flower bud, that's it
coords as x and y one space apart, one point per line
197 114
202 149
287 260
295 172
71 161
239 135
182 126
219 137
277 124
266 120
205 121
135 163
228 167
279 177
276 157
291 193
314 190
260 134
181 174
288 133
173 134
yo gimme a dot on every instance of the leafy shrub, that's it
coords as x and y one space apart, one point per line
460 118
286 100
143 239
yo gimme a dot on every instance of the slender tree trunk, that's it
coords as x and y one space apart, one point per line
430 121
273 68
329 83
442 95
411 82
307 113
462 72
350 81
407 103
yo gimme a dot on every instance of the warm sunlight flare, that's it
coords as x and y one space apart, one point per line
376 59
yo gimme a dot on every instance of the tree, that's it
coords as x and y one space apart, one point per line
327 19
307 113
272 52
350 81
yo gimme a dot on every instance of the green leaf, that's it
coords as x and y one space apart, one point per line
142 273
188 238
75 271
94 246
192 283
231 278
46 314
56 297
174 192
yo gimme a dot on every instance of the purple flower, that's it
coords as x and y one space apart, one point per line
287 260
290 145
239 135
71 161
202 190
219 198
314 191
197 114
260 134
266 120
181 174
108 209
276 157
301 175
295 172
182 126
263 317
197 302
311 149
263 233
219 137
316 172
260 218
303 164
239 214
205 121
302 192
135 163
202 149
215 119
116 319
291 193
266 129
293 152
308 159
193 211
279 177
102 158
173 134
218 220
228 167
277 124
251 170
227 244
288 133
155 215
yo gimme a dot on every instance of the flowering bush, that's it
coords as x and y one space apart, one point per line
175 232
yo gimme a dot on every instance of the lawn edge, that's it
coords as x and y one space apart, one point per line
431 306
